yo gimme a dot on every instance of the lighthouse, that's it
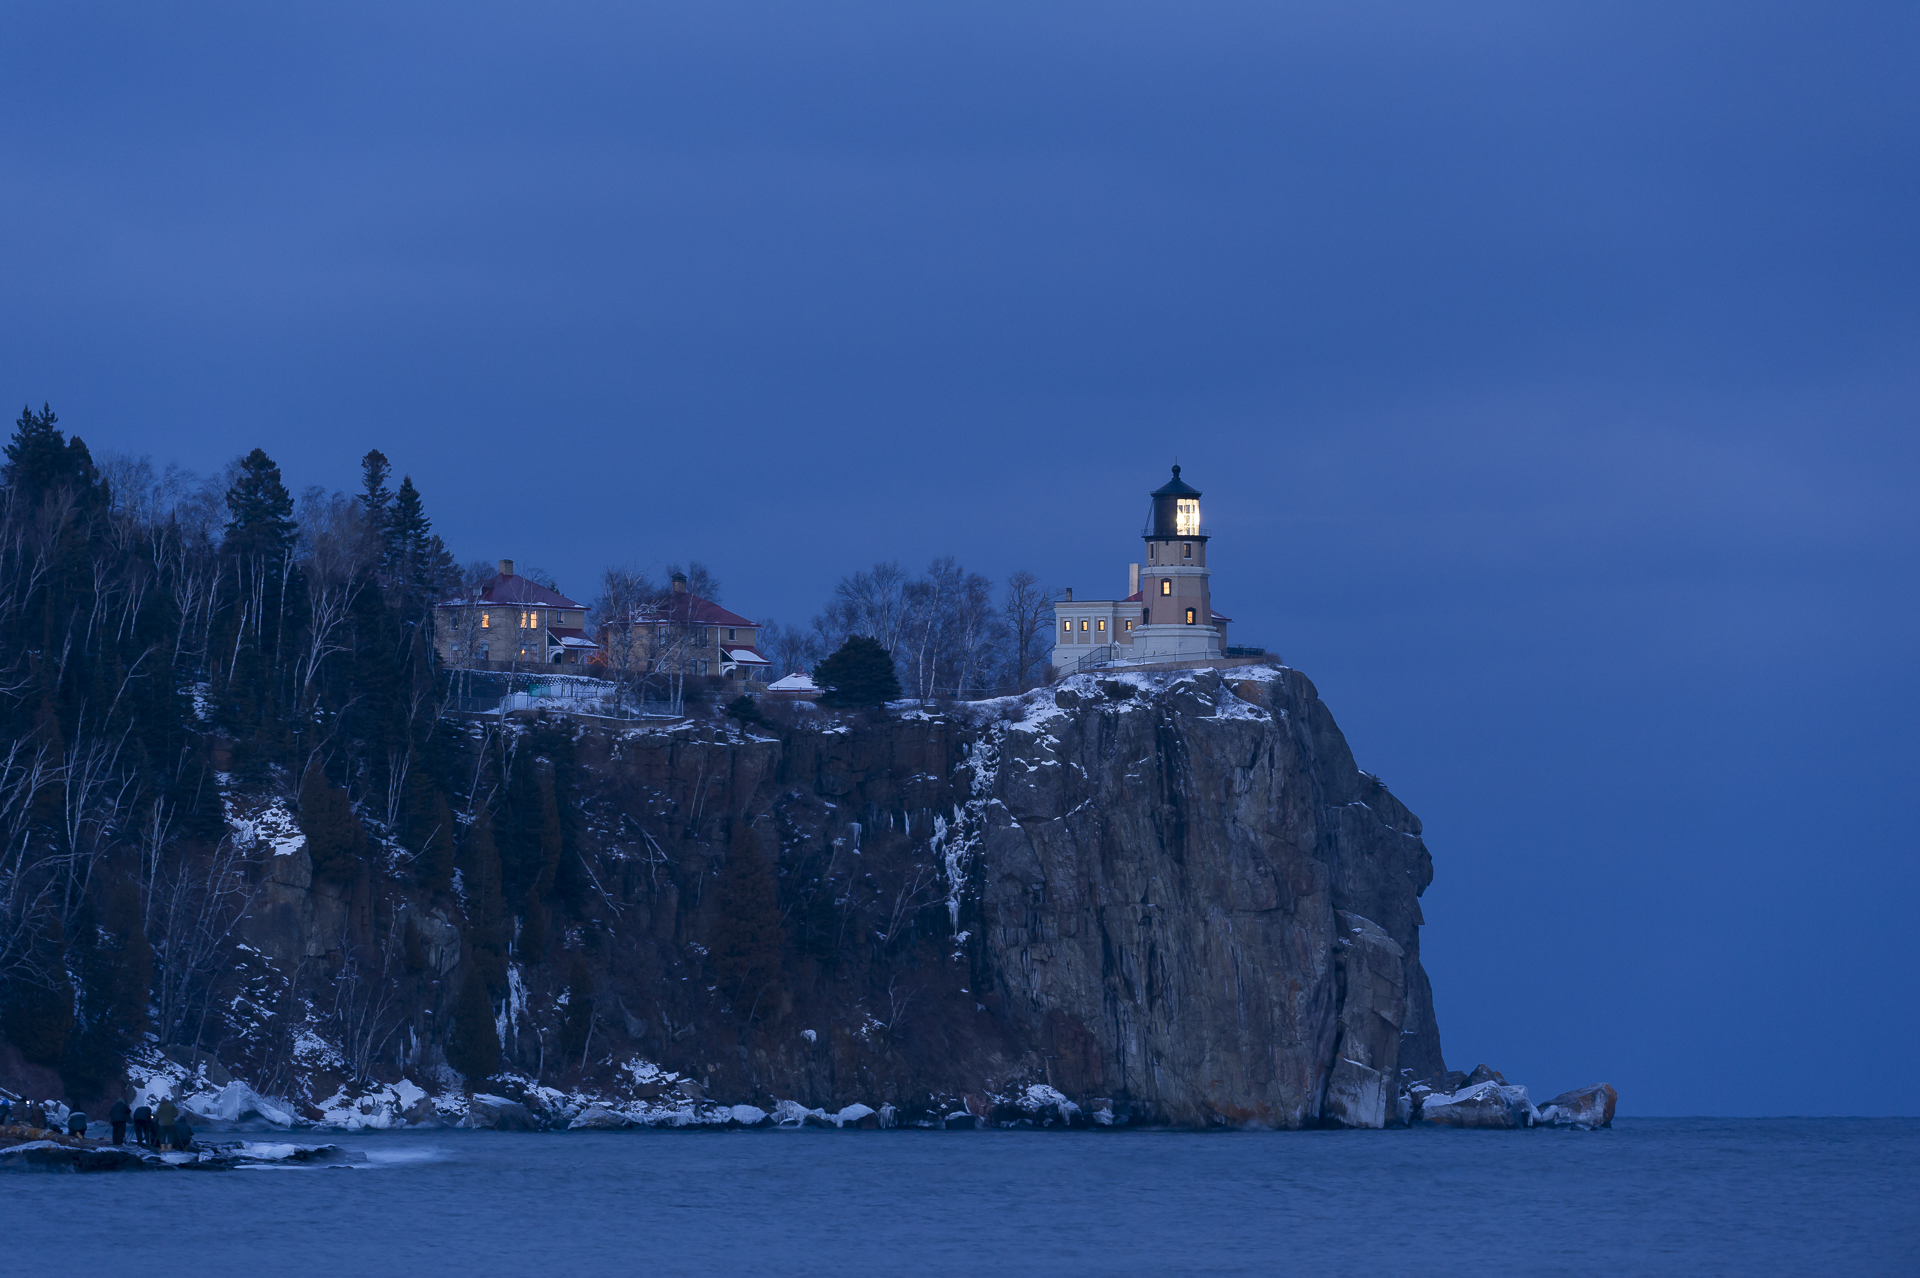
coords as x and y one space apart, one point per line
1167 616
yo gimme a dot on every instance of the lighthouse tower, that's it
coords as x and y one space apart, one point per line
1176 604
1168 613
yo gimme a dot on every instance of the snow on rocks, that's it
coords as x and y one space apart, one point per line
400 1104
1482 1105
1046 1105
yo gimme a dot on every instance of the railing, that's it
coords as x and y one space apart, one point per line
1098 658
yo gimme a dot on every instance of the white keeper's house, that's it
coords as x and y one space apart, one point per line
1167 617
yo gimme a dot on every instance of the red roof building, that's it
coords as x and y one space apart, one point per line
683 634
512 619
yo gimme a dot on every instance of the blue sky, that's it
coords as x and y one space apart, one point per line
1551 372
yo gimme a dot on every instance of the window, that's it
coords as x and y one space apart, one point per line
480 651
1146 617
730 632
1129 625
486 620
1153 551
1189 616
1083 623
530 619
1186 517
1066 627
1102 627
1166 585
1186 550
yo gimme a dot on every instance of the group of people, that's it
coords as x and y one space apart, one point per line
164 1127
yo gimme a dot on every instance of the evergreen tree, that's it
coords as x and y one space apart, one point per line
262 611
860 673
113 966
336 841
428 832
260 511
41 460
375 496
36 1005
748 940
473 1048
576 1026
486 934
419 565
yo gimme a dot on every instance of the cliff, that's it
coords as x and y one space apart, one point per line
1160 898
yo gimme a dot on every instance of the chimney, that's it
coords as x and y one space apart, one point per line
1133 579
679 583
506 567
1069 598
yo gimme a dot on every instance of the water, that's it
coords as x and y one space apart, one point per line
1669 1196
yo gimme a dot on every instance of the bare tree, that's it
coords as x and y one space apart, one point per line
1028 611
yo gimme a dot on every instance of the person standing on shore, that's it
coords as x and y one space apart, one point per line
118 1117
76 1123
6 1111
163 1120
143 1126
37 1115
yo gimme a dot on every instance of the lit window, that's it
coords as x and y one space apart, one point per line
1186 517
1102 626
1083 623
1189 616
1186 550
486 620
1166 585
1067 627
1129 625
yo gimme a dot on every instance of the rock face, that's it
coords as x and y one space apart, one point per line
1197 902
1165 898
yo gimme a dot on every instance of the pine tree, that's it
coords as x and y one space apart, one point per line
36 1005
429 831
113 965
336 841
576 1026
41 460
375 496
486 934
376 503
260 511
263 609
859 674
473 1048
748 941
548 846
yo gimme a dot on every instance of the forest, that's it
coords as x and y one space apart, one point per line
175 649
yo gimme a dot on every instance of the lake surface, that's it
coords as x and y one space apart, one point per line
1681 1196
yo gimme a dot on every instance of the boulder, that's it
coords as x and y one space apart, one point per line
1485 1074
598 1118
1483 1105
500 1114
687 1089
1581 1107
